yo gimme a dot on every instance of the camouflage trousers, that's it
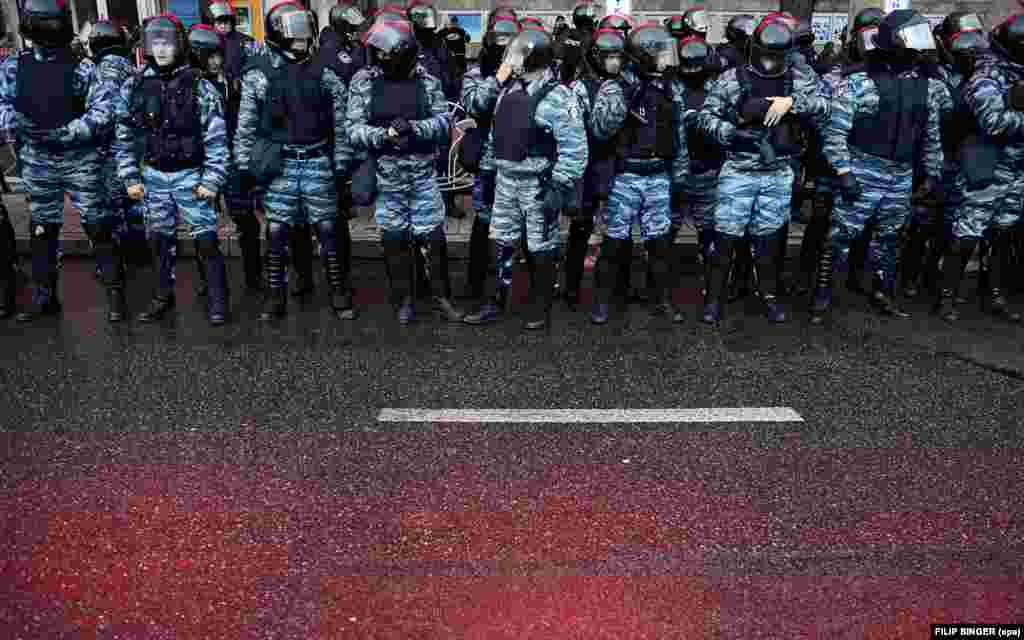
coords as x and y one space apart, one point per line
701 197
483 204
753 200
642 200
885 199
48 175
519 202
408 199
997 205
167 193
304 193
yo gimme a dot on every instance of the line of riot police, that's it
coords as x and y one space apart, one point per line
648 126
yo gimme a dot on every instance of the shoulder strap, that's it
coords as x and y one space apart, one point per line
789 81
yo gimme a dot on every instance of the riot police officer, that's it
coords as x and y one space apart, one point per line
55 107
292 141
644 116
883 115
176 119
480 89
238 50
753 111
993 97
398 113
604 60
540 152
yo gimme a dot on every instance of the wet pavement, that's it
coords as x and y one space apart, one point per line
178 481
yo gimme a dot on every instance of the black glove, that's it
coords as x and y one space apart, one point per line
1016 96
556 196
754 110
928 193
678 201
246 182
402 126
850 188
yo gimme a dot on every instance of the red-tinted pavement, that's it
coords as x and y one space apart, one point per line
183 483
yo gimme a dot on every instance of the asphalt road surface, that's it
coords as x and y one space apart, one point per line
180 482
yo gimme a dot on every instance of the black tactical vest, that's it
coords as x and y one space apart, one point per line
786 137
895 131
705 154
516 134
405 99
46 90
298 111
655 138
168 111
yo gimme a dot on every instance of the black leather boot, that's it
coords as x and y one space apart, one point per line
580 230
479 259
766 250
721 264
248 227
398 252
998 265
302 259
164 250
45 239
275 302
440 284
607 276
111 263
216 277
541 291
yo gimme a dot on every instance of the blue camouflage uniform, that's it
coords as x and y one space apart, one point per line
992 199
886 182
170 174
409 207
653 163
408 199
117 70
520 186
305 191
239 51
755 185
58 158
706 159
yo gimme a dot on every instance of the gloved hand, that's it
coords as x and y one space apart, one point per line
402 127
1016 96
929 192
849 187
556 196
753 111
678 201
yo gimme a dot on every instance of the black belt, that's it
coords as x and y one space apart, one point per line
304 153
645 167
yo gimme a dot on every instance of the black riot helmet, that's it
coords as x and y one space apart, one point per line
695 23
501 12
204 42
961 49
107 38
862 43
772 39
904 34
616 21
607 52
501 32
1009 36
694 56
739 29
346 19
288 25
531 50
163 36
532 22
584 16
960 21
423 16
222 11
653 49
389 13
392 46
870 17
47 23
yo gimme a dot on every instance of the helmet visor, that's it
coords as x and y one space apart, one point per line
864 40
917 37
698 20
521 47
351 16
387 36
966 41
423 17
220 10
